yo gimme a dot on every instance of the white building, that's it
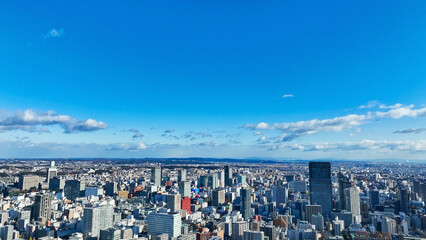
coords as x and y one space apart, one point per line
159 223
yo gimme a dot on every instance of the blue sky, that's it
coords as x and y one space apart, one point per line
211 71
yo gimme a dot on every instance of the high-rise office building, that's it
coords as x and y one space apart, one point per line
156 176
218 197
111 188
280 194
203 181
242 179
312 210
169 223
269 231
213 181
181 175
56 184
253 235
238 229
110 234
374 198
228 175
221 177
4 217
7 232
26 182
352 202
320 188
245 202
417 188
174 202
338 226
95 219
52 171
344 184
74 188
403 200
42 207
318 222
185 188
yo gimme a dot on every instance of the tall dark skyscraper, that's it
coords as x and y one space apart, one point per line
403 198
228 175
344 184
320 186
374 198
245 196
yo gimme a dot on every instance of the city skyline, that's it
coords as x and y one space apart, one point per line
276 80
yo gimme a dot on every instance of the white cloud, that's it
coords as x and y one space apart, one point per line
404 111
409 146
208 144
397 105
295 130
29 120
126 146
370 104
261 125
191 135
53 33
288 95
262 140
411 130
169 130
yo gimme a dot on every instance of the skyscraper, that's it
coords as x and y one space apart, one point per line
320 186
110 234
238 229
245 198
56 184
42 207
280 194
253 235
169 223
213 181
221 177
338 226
7 232
156 176
95 219
218 197
52 171
185 188
312 210
74 188
374 198
181 175
29 181
228 175
318 221
174 202
111 188
403 199
352 202
203 181
344 183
